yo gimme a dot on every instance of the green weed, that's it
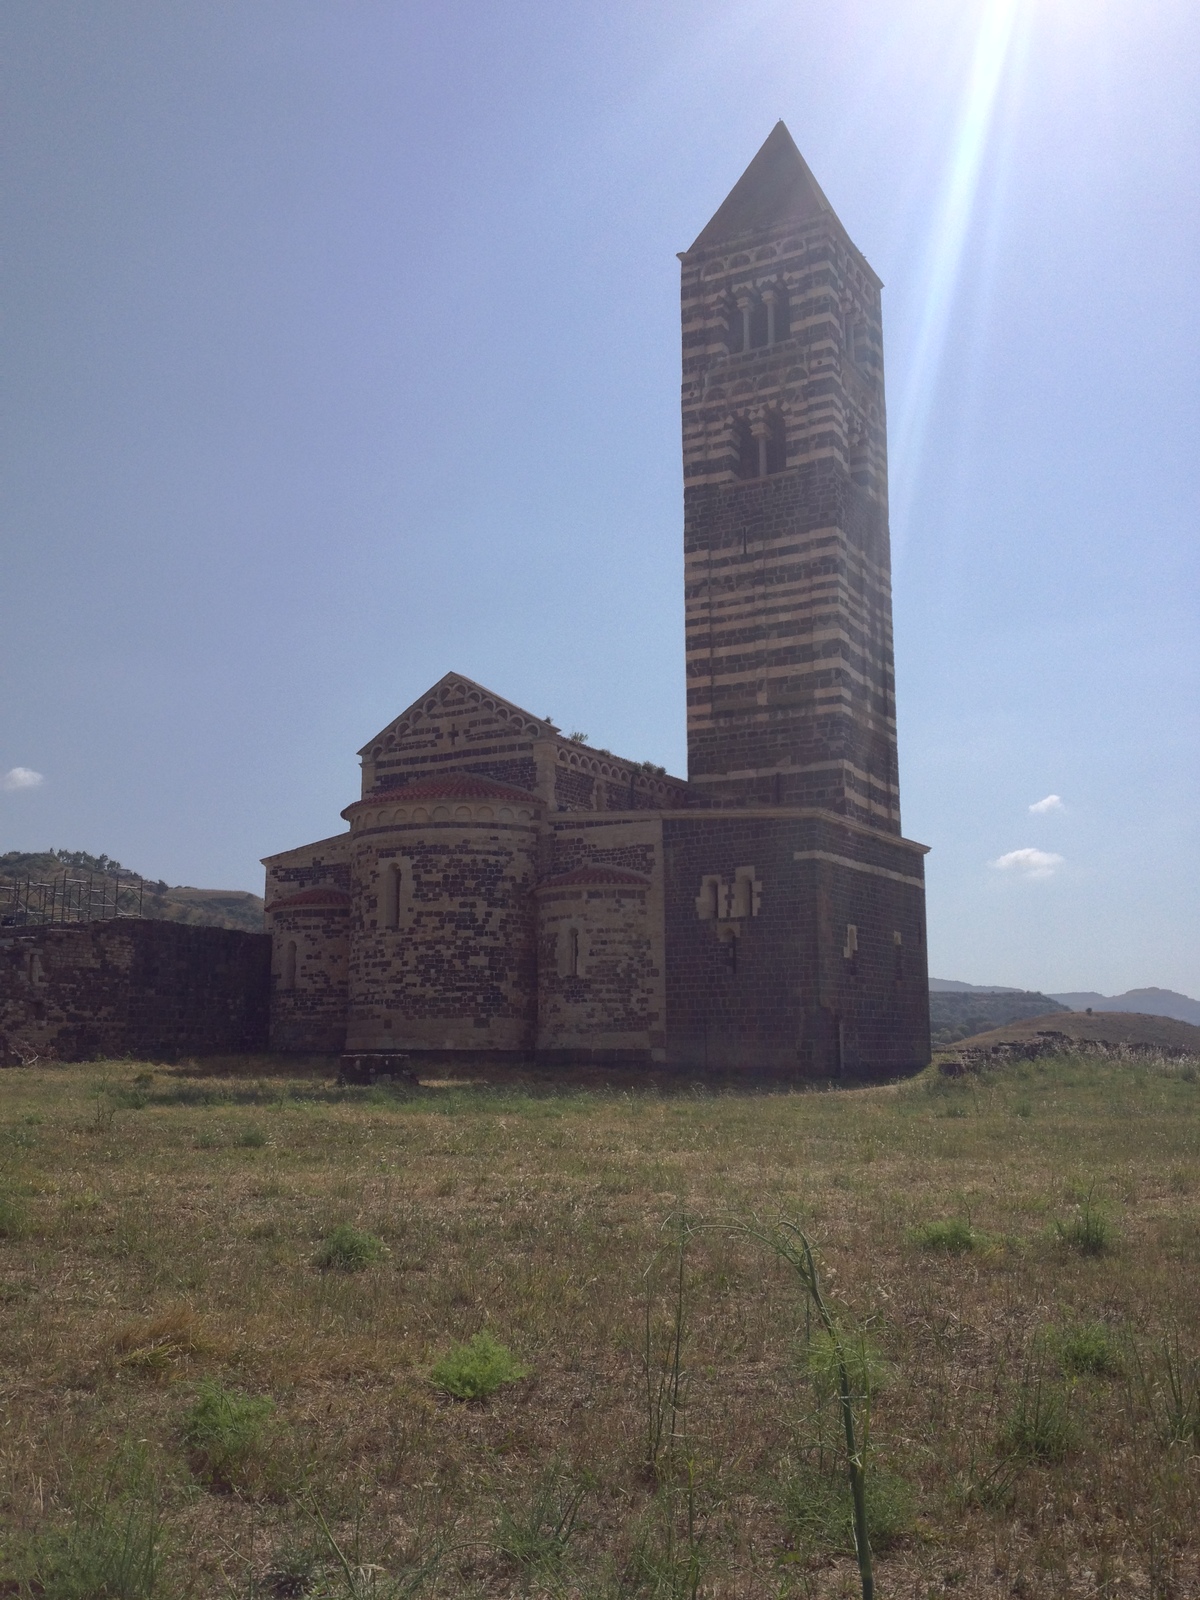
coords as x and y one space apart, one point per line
954 1234
818 1512
1088 1349
536 1536
294 1571
1088 1232
349 1249
226 1433
110 1551
475 1370
1169 1379
668 1559
1039 1426
865 1367
14 1219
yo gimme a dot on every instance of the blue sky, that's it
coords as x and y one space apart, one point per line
340 349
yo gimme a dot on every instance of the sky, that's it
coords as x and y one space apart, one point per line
339 349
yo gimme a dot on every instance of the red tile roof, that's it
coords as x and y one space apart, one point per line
595 874
321 895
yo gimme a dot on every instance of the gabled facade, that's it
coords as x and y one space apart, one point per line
505 891
459 726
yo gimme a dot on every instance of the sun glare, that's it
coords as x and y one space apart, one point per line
994 51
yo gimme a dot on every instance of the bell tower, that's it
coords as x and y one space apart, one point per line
791 695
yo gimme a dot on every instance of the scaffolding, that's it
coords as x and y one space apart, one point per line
97 897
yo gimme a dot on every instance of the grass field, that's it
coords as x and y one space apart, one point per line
230 1313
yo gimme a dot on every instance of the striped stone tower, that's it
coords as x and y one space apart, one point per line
790 674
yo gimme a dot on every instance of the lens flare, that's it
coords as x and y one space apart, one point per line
995 51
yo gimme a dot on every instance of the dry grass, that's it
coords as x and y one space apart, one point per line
161 1239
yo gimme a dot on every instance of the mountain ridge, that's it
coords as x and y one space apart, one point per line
1149 1001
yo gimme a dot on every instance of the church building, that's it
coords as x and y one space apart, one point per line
505 892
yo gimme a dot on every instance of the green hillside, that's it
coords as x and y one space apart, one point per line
212 908
957 1016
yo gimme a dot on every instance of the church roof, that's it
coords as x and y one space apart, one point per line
321 895
595 874
447 786
428 703
776 188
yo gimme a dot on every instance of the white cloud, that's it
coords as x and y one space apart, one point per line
1030 863
22 778
1052 802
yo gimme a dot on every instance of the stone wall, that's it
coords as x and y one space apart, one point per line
598 994
310 957
308 918
790 675
600 940
129 987
795 945
442 954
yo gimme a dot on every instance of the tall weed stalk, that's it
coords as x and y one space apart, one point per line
791 1244
1169 1381
665 1381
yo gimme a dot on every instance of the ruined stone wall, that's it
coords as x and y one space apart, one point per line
795 945
147 989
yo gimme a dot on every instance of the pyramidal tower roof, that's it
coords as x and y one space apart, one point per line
777 188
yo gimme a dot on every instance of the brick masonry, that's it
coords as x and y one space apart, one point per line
791 693
131 987
442 934
761 979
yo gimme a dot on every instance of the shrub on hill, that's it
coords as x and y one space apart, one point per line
208 908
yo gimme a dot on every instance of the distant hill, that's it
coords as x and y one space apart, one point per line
1102 1027
952 986
1150 1002
209 908
955 1014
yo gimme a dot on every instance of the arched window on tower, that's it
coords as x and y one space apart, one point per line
759 320
858 458
776 443
746 446
775 302
734 329
858 340
571 963
783 315
391 895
